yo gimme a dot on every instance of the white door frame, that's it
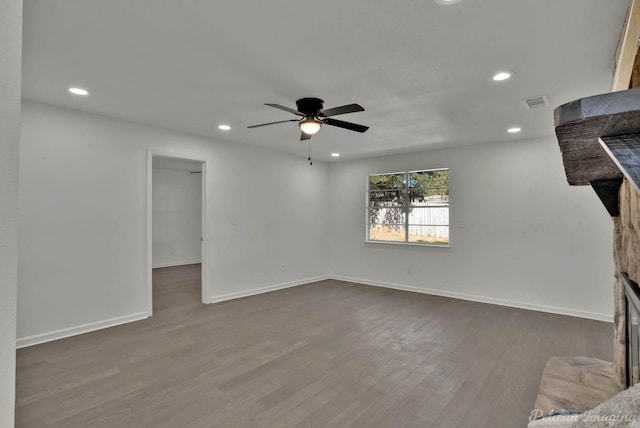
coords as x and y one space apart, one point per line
149 211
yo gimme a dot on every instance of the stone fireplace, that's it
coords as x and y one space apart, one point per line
599 137
627 261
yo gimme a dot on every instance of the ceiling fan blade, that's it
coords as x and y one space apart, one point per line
346 125
272 123
304 136
290 110
349 108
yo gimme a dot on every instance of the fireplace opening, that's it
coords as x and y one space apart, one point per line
631 316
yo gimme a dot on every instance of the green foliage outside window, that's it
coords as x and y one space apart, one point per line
393 197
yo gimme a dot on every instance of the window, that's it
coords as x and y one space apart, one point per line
409 207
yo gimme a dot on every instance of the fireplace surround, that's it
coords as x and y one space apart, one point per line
599 137
632 340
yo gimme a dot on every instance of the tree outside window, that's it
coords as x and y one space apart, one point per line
410 207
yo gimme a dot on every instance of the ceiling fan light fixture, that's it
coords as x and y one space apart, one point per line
503 75
310 125
78 91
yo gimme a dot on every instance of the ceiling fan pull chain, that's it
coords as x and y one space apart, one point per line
310 162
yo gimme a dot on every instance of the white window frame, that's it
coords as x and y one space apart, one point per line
407 204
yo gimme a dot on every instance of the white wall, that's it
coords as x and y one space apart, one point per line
10 81
520 235
177 217
82 244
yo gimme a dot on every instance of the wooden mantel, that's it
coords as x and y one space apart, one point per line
583 127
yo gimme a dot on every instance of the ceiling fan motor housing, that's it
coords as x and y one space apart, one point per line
310 106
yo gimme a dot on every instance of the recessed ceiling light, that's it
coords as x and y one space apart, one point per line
78 91
224 127
514 130
445 2
335 155
503 75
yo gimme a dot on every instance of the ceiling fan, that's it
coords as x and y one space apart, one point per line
313 116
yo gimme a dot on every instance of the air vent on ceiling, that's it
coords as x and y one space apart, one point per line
535 102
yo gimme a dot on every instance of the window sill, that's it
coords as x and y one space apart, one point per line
410 244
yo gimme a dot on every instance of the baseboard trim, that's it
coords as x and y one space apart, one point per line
86 328
173 264
481 299
262 290
36 339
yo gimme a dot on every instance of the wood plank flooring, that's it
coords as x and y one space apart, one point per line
329 354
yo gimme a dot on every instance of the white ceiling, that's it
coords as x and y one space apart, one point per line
422 71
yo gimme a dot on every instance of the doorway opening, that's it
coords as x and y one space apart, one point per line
176 256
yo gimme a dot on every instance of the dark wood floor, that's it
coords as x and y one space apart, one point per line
329 354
